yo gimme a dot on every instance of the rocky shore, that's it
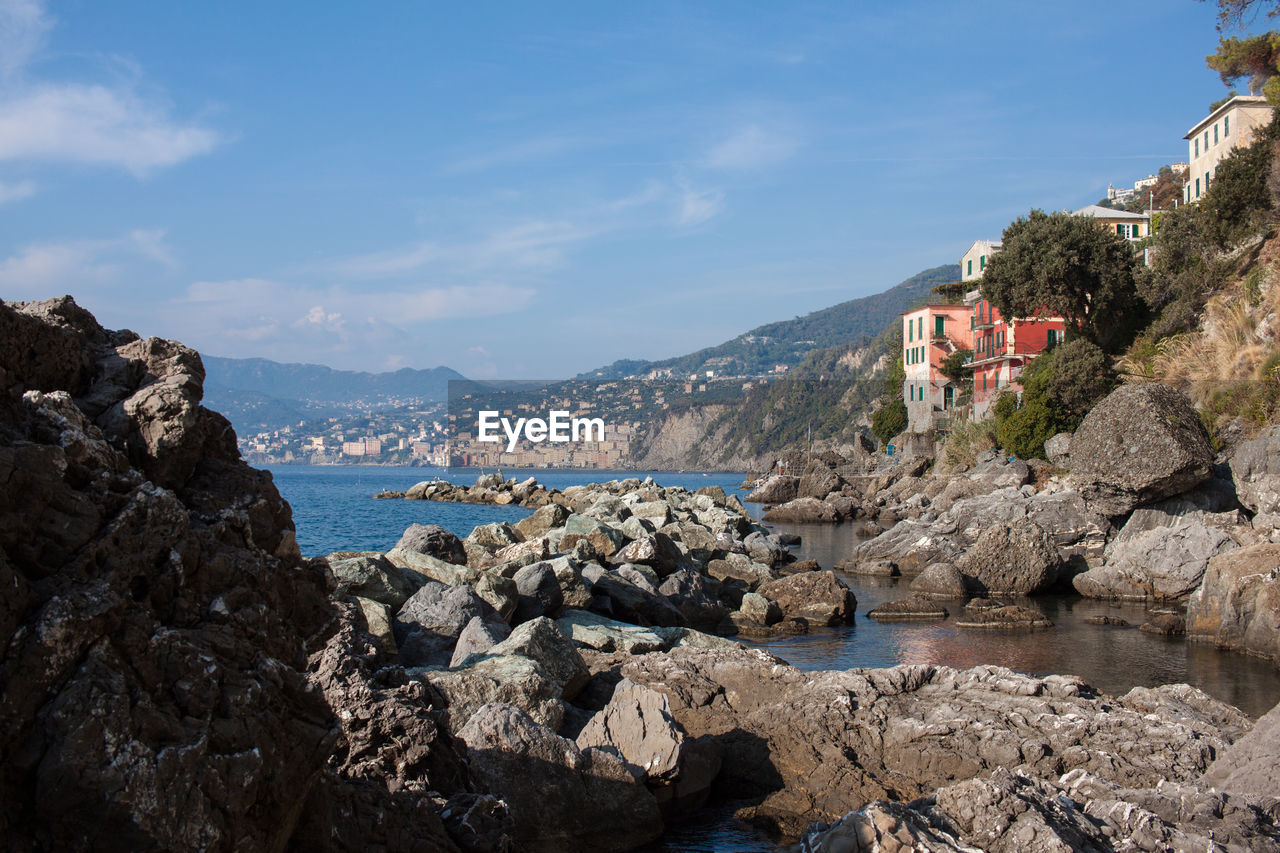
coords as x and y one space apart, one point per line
175 675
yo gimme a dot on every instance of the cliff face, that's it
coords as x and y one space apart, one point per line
156 617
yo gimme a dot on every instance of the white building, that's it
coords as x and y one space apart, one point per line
974 261
1233 124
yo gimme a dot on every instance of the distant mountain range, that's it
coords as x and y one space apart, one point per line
789 341
258 394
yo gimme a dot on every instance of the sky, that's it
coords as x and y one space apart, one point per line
525 190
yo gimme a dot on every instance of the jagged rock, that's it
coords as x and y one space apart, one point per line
435 541
500 593
694 595
1058 450
542 641
777 489
1165 624
156 608
758 610
604 539
609 635
637 726
378 621
1238 603
525 553
808 746
560 797
819 598
478 637
739 567
539 590
631 602
656 551
510 679
1255 469
909 609
1251 765
1163 564
430 622
544 519
373 577
942 580
432 568
818 481
495 536
1018 558
1107 620
1141 443
870 568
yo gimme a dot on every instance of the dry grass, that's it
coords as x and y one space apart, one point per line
966 441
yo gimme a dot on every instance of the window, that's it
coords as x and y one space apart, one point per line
911 331
984 382
1226 126
1206 140
920 320
1196 143
1206 181
1215 134
1197 188
982 262
1120 229
911 389
938 326
970 272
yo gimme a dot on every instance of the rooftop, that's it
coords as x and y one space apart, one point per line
1246 101
1101 212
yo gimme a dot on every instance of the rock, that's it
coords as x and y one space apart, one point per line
499 593
493 537
818 481
1251 765
1163 564
510 679
373 577
758 610
560 796
604 539
525 553
435 541
776 489
1017 558
431 568
608 635
1010 617
430 622
739 567
1255 469
803 511
377 621
870 568
637 726
632 602
812 746
478 637
656 551
544 519
156 611
1107 620
543 642
1139 444
819 598
1058 450
909 609
1238 604
539 591
942 580
1165 624
695 596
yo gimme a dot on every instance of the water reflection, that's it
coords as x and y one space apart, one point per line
1113 659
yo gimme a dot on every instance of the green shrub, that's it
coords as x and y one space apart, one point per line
889 420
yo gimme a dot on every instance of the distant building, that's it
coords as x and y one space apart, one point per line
930 334
1002 348
974 261
1231 125
1131 226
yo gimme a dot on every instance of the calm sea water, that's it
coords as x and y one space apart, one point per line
334 510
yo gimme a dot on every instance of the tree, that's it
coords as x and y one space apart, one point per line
1255 58
889 420
1071 267
1236 14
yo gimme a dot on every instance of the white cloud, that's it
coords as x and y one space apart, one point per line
697 206
16 192
751 147
41 270
94 123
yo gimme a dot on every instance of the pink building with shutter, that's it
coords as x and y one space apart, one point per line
930 334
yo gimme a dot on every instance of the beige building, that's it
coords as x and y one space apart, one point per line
1131 226
1233 124
974 261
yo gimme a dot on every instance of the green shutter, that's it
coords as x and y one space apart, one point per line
938 325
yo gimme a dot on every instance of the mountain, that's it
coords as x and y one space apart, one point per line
789 341
258 394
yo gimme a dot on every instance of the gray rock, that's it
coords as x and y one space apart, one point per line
1161 564
657 551
1140 444
1251 765
434 540
758 610
637 726
511 679
1238 603
477 637
539 591
1018 558
377 621
1255 469
1058 449
542 641
560 796
608 635
543 520
373 577
429 623
776 489
910 609
942 580
430 567
819 598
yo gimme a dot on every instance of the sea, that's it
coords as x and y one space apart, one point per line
334 510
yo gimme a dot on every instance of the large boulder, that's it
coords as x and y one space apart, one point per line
1251 765
638 727
1140 444
1255 468
374 577
1017 558
806 510
1238 604
430 622
542 641
819 598
776 489
561 797
657 551
434 540
1161 564
818 481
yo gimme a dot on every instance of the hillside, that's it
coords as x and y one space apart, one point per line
789 342
258 394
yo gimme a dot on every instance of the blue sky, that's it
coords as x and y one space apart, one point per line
533 190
